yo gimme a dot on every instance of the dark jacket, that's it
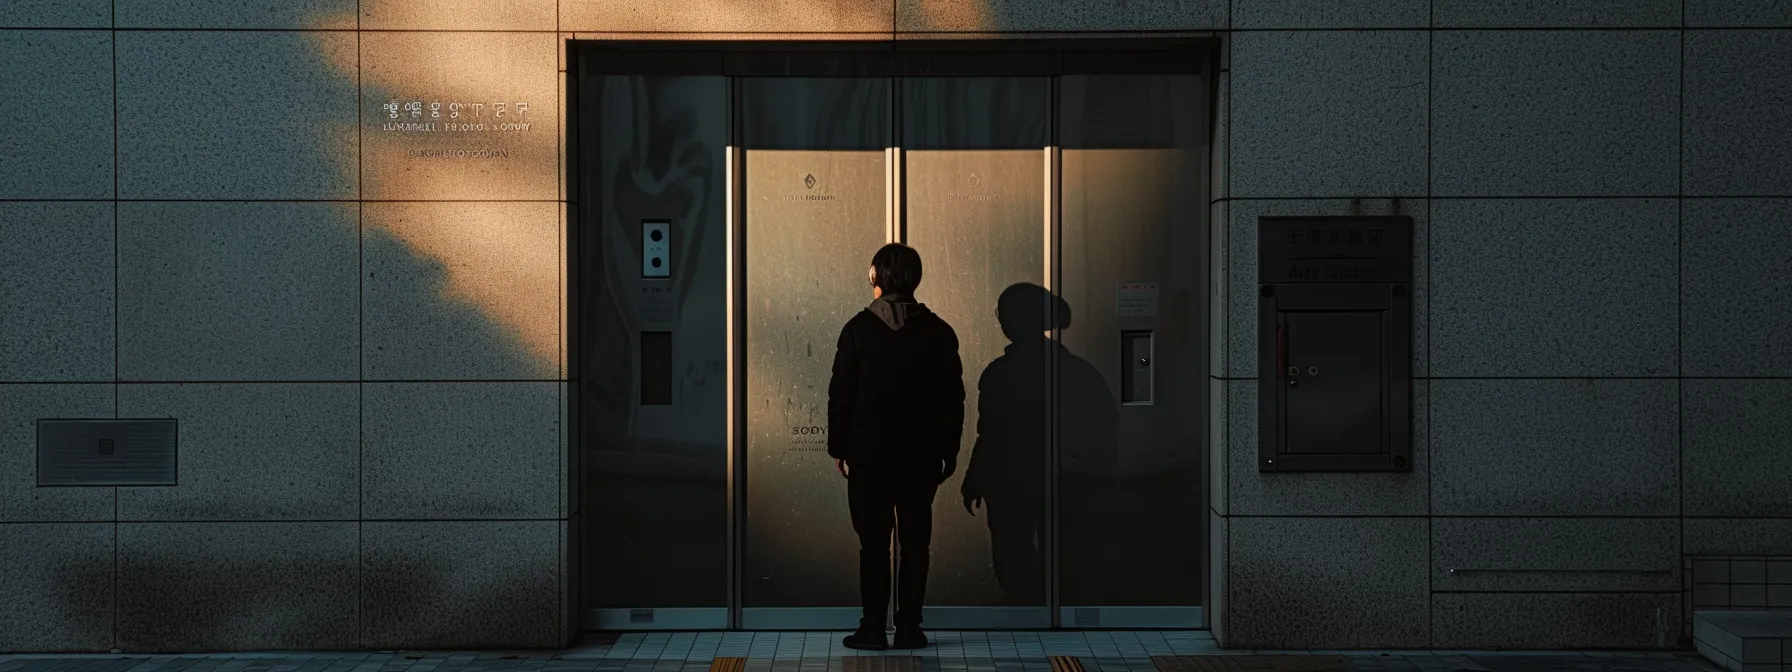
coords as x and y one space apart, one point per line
896 402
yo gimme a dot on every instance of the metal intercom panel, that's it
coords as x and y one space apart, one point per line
656 248
106 452
1335 344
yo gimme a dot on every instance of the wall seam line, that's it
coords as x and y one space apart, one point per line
567 603
360 347
1430 339
116 314
1222 617
1680 321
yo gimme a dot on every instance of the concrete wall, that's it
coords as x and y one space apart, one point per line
202 215
1601 330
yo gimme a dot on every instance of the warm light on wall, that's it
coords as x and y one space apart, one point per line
502 258
498 257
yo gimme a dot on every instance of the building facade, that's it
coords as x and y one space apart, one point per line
355 249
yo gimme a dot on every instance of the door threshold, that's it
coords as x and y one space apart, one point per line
1130 618
932 618
673 618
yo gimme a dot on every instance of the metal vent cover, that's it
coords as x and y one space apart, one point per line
107 452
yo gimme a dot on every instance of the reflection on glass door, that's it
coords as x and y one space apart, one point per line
974 205
815 209
1130 376
655 551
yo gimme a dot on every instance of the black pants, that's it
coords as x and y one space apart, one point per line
1016 522
879 505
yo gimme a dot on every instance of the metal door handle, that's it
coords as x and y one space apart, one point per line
1281 346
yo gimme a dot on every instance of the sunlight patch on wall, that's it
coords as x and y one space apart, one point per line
448 118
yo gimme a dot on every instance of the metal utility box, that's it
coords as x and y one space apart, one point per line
1334 344
107 452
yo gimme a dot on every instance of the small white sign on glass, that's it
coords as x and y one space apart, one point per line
1136 299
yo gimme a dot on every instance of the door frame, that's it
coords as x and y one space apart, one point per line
1047 56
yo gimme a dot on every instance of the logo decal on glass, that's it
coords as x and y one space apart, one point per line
968 196
808 183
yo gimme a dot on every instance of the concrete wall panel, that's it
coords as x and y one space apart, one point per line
58 263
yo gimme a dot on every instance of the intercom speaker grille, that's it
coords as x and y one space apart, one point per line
105 452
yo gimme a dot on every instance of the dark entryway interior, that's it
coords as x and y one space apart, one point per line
728 200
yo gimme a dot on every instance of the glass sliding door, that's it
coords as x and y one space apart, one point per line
654 438
974 204
1061 220
1130 374
814 209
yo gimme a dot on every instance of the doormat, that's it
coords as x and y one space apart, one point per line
1066 664
880 663
1223 663
728 665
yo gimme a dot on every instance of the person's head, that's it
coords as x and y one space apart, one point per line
1026 311
895 270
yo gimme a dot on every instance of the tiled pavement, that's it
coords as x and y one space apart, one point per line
821 652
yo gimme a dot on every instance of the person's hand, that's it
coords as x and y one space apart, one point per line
947 469
971 504
840 465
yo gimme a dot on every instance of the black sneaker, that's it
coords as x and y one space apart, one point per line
910 639
866 640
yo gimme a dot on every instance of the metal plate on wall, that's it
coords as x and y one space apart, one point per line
1334 249
106 452
1335 344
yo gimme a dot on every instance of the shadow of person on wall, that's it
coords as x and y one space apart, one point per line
1010 462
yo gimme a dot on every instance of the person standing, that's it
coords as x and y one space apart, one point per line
895 418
